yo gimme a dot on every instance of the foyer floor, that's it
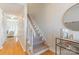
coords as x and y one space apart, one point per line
11 47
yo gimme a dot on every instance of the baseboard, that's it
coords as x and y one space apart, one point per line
22 46
40 52
17 39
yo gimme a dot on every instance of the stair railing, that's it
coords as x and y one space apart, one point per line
30 36
33 32
34 23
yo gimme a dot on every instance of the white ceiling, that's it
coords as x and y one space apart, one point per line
13 8
34 8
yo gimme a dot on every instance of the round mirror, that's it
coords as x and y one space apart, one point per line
71 18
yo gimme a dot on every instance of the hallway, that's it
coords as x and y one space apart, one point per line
11 47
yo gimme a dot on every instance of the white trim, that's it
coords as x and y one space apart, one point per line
16 39
42 51
22 46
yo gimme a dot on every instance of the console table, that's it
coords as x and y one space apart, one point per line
67 44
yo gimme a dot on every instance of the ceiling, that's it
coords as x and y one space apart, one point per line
34 8
13 8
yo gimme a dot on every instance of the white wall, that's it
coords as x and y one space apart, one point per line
49 19
3 29
22 28
20 35
54 15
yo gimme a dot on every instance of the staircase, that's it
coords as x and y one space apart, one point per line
38 43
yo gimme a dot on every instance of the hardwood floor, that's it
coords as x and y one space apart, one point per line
48 52
11 47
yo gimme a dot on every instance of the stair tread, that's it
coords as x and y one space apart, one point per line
39 47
